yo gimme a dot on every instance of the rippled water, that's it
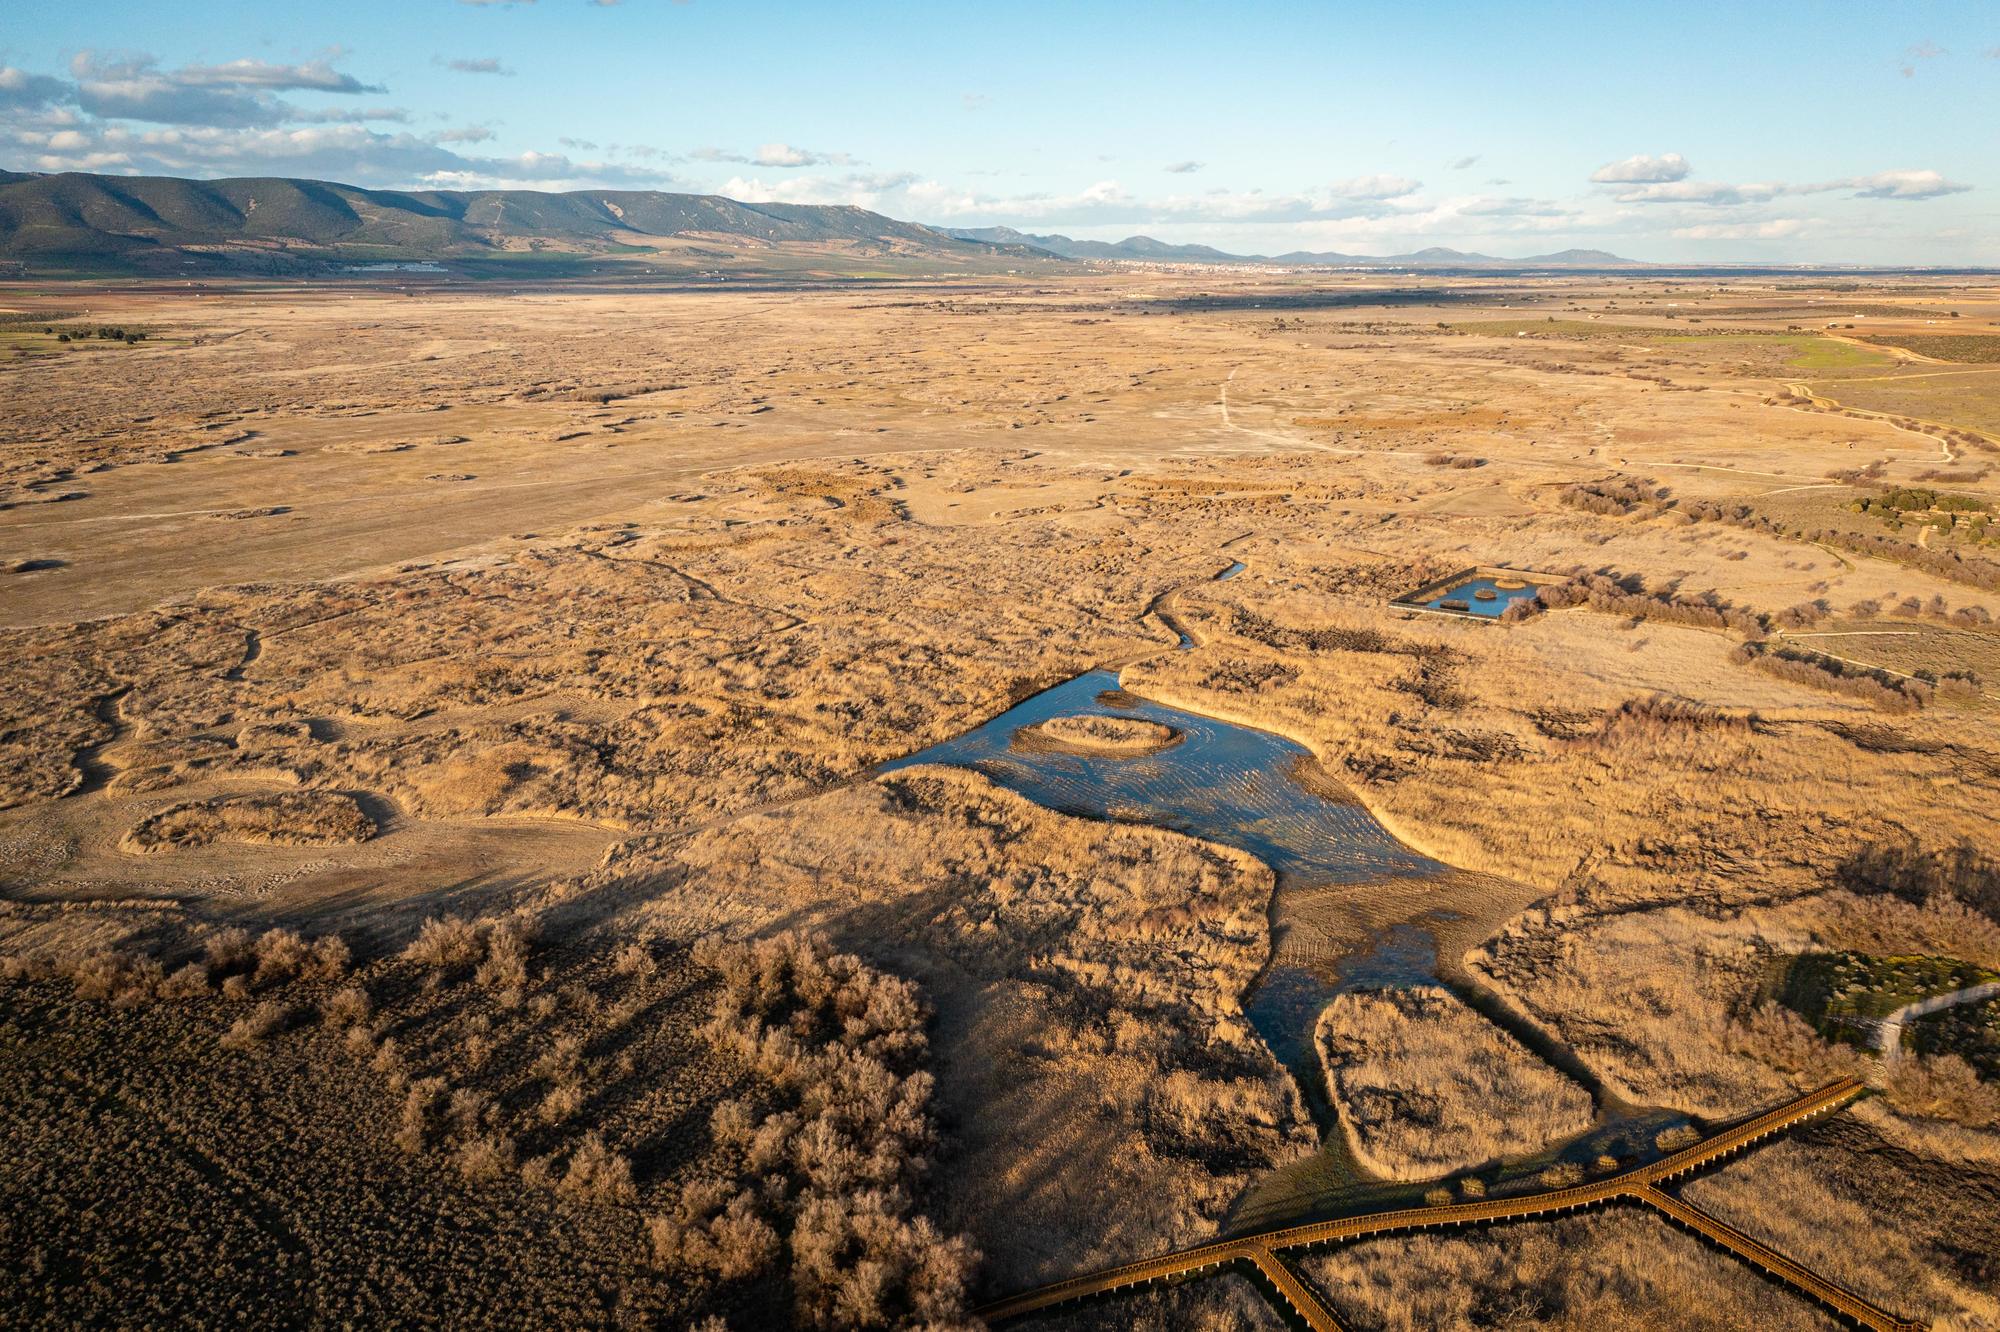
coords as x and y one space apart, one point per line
1223 783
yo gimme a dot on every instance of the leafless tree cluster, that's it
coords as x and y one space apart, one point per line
230 961
1663 714
1937 561
1960 873
1936 608
829 1178
1614 596
1814 671
1613 497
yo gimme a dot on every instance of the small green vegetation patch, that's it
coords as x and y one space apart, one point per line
1841 993
1965 348
1799 351
1970 1031
1968 514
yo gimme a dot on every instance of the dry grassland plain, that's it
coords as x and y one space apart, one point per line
411 690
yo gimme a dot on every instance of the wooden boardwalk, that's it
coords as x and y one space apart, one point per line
1640 1185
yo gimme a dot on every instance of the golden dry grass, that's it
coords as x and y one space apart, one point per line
1621 1271
1425 1086
628 668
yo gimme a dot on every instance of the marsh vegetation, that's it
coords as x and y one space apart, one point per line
520 892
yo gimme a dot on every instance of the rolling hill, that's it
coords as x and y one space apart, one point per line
167 225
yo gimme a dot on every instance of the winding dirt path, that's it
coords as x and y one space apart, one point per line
1889 1036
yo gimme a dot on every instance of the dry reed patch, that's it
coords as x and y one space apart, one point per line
1088 979
1662 803
1874 923
1655 1002
1425 1086
1226 1302
301 818
1092 734
1920 1237
1613 1271
605 674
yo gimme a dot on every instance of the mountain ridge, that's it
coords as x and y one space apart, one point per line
169 223
1146 248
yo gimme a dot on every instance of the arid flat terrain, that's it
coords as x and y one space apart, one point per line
445 860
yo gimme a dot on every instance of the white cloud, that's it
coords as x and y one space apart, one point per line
1109 203
353 115
1895 185
131 86
781 155
1772 229
859 189
1700 192
313 76
1463 163
1924 50
1905 185
167 103
474 65
1514 207
349 153
1183 168
784 155
1643 168
22 90
1375 187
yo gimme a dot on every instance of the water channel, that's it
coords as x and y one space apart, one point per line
1242 787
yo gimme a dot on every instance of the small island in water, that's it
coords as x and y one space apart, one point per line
1082 734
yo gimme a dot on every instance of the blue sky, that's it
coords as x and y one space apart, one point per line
1835 130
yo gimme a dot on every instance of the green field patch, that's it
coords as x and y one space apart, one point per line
1842 994
1796 351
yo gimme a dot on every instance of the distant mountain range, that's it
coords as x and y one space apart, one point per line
1146 248
167 225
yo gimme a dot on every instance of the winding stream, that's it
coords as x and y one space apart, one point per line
1261 793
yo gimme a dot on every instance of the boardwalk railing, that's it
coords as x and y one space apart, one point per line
1637 1185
